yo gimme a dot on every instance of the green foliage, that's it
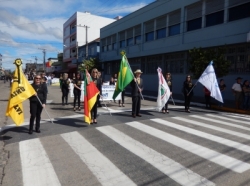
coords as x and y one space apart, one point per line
199 59
89 64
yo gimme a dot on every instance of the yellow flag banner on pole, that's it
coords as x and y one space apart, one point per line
20 91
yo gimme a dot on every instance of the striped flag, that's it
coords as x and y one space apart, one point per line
90 96
163 90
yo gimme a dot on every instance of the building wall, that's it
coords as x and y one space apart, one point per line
171 51
74 35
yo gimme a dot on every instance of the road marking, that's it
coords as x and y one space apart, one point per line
104 170
220 122
229 119
172 169
36 166
211 155
238 134
205 135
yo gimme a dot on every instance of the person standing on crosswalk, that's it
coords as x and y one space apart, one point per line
65 89
137 87
98 83
77 90
169 82
35 105
188 92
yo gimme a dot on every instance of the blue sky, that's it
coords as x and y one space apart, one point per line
27 25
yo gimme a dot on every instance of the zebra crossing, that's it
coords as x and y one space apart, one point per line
194 150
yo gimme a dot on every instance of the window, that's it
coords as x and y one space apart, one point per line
161 33
215 18
130 41
174 30
109 47
149 36
239 12
122 44
137 39
194 24
114 46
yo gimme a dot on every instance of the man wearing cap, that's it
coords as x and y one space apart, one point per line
237 91
137 87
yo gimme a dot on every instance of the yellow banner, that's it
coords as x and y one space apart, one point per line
20 91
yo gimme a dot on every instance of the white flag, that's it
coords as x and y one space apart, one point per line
209 80
163 91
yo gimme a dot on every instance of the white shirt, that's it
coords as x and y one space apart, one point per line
237 87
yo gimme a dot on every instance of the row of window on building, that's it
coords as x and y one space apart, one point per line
177 63
170 24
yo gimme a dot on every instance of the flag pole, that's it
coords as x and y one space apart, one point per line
44 109
172 100
133 75
192 87
106 106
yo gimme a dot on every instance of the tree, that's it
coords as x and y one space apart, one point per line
199 59
90 64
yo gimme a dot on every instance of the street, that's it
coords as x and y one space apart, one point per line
201 148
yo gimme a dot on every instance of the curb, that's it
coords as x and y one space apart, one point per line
233 110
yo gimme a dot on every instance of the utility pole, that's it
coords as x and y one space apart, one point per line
86 27
44 56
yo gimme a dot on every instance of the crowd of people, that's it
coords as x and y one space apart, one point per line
241 92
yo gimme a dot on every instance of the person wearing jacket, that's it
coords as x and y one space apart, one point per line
188 92
169 82
77 90
35 105
98 83
65 89
137 88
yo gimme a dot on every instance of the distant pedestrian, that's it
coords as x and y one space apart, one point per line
65 89
188 92
237 91
60 81
246 92
99 76
35 106
222 87
44 80
77 90
169 82
112 81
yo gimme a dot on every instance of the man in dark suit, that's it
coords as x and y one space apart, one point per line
137 87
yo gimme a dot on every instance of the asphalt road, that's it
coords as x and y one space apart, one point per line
201 148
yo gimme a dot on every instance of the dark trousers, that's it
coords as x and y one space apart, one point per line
122 96
187 101
98 100
77 96
93 111
207 99
166 106
136 105
35 112
65 93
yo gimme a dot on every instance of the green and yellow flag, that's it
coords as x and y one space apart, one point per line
20 91
125 76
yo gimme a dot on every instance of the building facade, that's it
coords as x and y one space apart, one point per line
161 34
78 30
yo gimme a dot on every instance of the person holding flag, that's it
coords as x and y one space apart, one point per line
187 90
90 96
169 83
21 90
35 106
163 91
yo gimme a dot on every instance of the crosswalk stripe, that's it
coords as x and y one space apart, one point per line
104 170
36 166
205 135
228 119
213 127
211 155
172 169
220 122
